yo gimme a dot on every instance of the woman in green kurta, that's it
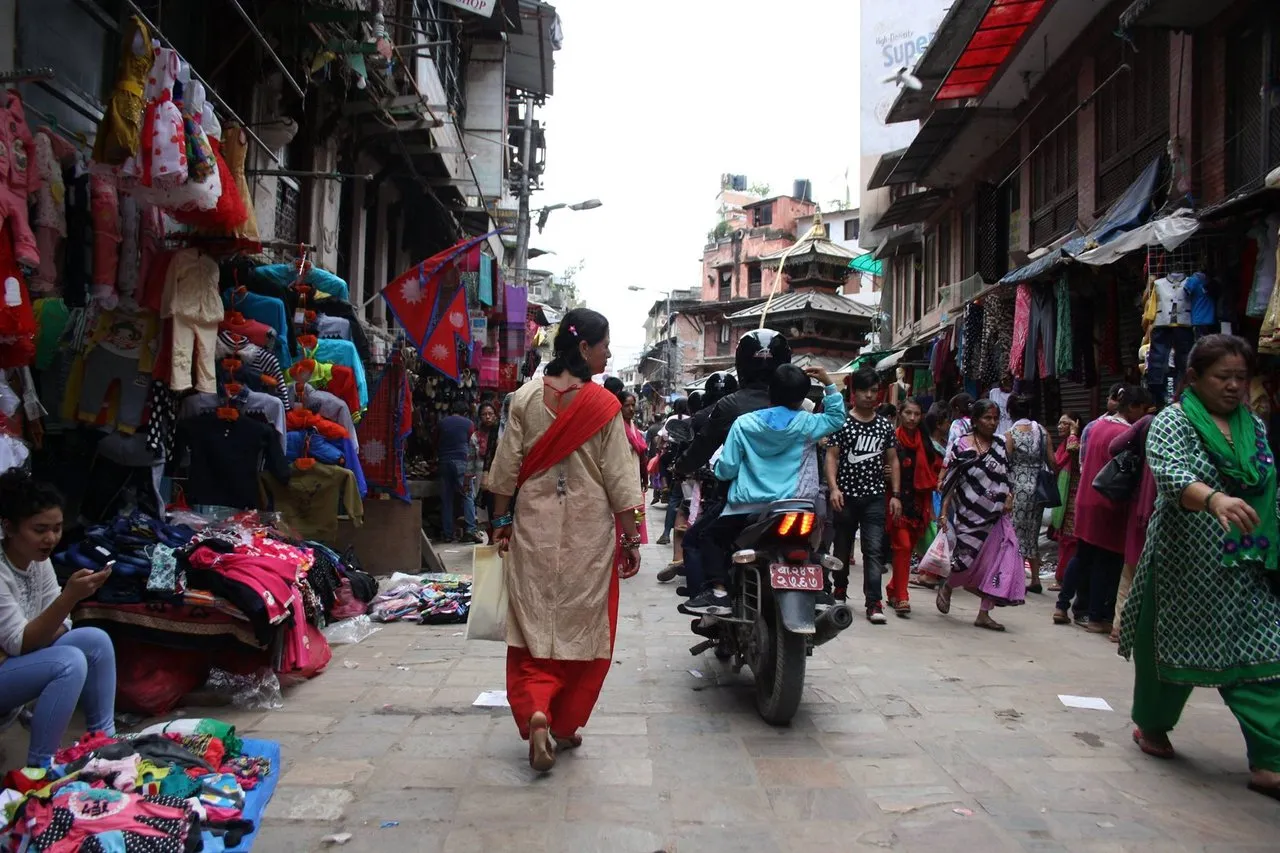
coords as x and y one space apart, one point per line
1205 606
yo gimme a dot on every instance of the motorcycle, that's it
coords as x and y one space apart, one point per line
778 618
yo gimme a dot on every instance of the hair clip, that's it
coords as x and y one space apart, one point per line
573 330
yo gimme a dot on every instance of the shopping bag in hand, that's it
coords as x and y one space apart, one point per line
937 560
487 619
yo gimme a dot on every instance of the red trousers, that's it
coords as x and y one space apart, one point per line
565 690
902 540
1066 550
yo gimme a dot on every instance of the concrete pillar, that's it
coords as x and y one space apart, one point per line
357 235
382 232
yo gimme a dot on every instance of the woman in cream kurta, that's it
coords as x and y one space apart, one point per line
561 582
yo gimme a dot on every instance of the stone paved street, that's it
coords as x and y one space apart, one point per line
923 735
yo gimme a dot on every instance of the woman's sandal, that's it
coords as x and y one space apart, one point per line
542 749
1265 790
985 621
943 601
1148 745
568 742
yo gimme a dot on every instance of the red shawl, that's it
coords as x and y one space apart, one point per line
591 410
923 464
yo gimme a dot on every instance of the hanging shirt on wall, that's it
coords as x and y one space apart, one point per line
1173 306
1203 312
225 458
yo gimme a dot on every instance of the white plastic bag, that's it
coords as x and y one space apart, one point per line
350 631
937 560
487 619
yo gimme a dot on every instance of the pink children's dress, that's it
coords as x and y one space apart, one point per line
18 177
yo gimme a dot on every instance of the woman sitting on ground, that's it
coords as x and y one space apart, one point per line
42 658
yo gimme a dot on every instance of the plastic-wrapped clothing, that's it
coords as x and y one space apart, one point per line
18 176
105 205
51 214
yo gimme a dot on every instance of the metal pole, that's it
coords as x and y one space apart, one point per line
522 221
266 44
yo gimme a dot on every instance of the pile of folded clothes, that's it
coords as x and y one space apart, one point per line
431 599
184 785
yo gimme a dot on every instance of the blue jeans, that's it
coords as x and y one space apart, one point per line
452 475
81 664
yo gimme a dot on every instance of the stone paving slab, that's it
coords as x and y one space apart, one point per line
921 735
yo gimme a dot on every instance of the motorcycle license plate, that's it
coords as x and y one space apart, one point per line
801 578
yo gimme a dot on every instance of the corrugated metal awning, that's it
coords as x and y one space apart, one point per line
884 168
913 208
999 33
937 132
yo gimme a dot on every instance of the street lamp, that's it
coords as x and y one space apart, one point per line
545 213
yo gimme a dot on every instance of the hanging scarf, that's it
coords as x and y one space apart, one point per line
926 465
591 410
1247 467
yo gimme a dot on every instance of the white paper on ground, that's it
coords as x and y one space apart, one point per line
1092 703
491 699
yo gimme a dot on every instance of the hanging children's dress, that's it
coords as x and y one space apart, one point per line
235 145
229 213
118 135
202 187
162 156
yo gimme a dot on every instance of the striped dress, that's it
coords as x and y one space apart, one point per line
978 487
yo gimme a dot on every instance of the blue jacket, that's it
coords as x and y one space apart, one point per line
764 454
1203 312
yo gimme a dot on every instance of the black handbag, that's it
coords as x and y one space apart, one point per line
1047 494
1119 478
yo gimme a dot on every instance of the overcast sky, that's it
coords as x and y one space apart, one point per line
654 101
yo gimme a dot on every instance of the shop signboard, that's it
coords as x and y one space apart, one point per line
484 8
894 35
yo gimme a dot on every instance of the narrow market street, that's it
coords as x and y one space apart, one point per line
924 734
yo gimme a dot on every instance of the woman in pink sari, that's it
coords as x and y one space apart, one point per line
640 447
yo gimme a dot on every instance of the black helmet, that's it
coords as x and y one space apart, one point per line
713 388
788 386
696 401
759 353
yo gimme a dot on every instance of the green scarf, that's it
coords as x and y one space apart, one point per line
1246 464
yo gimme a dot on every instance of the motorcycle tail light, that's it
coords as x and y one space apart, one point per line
800 555
797 523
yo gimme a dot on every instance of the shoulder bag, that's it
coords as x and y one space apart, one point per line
1047 494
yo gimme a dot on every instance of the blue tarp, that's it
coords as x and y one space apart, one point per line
1129 211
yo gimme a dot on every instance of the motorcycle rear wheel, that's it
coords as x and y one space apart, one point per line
779 675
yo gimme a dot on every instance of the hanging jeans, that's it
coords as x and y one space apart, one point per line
81 664
1166 339
1041 357
452 477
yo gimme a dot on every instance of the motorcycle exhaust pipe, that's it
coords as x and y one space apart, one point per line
829 625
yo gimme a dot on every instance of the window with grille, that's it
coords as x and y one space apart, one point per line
287 198
1252 120
1132 110
1054 169
754 278
726 285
